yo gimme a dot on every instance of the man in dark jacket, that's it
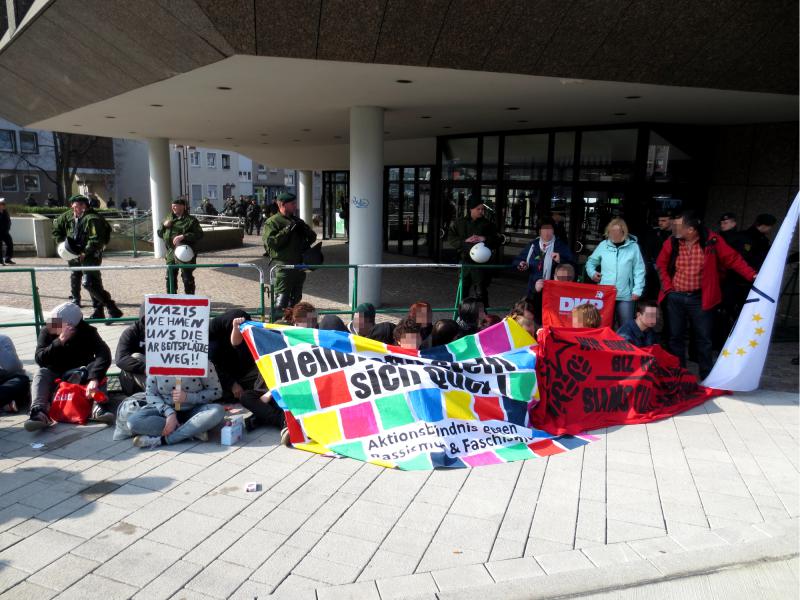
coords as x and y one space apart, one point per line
286 237
689 265
5 235
130 357
68 349
651 244
87 233
180 229
463 235
756 244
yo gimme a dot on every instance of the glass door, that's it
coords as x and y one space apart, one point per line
335 204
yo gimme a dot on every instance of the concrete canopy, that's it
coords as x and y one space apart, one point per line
296 68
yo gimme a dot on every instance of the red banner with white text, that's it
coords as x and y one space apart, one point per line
593 378
560 297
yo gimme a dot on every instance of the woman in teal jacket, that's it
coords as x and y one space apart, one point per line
618 261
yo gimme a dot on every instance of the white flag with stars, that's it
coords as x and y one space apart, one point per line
742 359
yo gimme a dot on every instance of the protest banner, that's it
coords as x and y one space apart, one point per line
460 405
560 297
593 378
176 335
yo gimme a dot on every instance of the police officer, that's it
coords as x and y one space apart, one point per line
465 233
180 229
86 232
286 237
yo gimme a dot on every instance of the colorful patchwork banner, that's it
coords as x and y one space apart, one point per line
460 405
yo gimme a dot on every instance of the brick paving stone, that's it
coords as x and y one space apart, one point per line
28 591
281 520
110 542
504 548
406 540
444 556
649 548
325 570
366 590
185 530
461 577
140 563
560 562
220 505
154 514
219 579
62 573
93 587
296 587
210 548
253 548
388 564
188 491
344 549
169 582
407 586
515 568
278 566
15 514
9 576
39 550
611 554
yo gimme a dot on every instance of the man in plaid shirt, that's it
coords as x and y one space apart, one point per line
689 265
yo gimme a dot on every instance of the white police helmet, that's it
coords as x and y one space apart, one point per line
66 251
184 253
480 253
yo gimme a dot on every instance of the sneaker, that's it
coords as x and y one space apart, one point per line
201 437
75 301
98 313
285 437
101 414
146 441
10 262
38 421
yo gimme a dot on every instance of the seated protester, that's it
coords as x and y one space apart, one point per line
586 315
332 323
302 314
489 320
172 415
639 332
421 313
444 331
470 313
565 272
383 332
14 382
130 357
522 313
363 320
234 363
408 334
68 348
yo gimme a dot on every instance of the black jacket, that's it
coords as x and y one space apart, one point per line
231 362
5 222
84 349
130 342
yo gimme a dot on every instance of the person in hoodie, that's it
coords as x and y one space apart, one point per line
130 357
618 261
69 349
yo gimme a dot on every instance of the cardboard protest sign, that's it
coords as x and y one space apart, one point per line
461 405
593 378
560 297
176 335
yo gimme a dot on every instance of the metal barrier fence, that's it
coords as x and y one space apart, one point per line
354 295
38 316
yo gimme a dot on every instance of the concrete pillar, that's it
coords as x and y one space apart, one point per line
160 188
305 193
366 199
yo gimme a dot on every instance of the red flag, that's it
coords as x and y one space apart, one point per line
593 378
560 297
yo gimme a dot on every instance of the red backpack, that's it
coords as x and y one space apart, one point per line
71 404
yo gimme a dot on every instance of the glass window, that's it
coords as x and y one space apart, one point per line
522 210
8 183
424 173
211 160
30 183
212 191
194 159
7 141
394 174
564 156
666 162
262 168
608 155
526 157
226 161
28 142
409 173
460 159
491 145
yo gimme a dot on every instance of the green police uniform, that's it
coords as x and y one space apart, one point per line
87 236
190 229
476 281
285 239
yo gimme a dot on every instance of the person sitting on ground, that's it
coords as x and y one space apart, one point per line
14 383
470 313
444 331
565 272
130 357
587 316
332 323
363 320
522 313
234 363
421 313
174 414
302 314
639 332
408 334
489 320
69 349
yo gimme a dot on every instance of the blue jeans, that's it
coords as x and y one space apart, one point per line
625 312
683 308
202 417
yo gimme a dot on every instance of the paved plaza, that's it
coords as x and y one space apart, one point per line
704 504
